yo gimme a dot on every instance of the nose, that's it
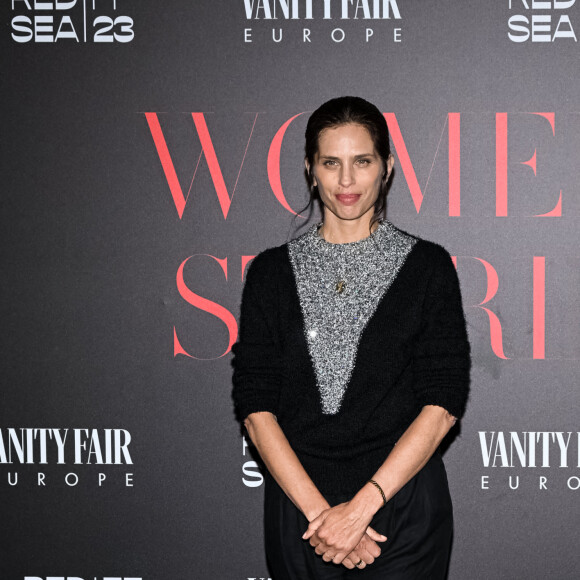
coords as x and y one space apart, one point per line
346 177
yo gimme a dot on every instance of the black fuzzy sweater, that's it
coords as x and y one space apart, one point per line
414 351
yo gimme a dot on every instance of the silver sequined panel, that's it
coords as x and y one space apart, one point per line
334 321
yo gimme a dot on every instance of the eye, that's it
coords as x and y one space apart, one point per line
363 162
329 163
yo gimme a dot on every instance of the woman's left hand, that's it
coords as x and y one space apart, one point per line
336 531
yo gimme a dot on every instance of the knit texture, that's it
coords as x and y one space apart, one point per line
414 351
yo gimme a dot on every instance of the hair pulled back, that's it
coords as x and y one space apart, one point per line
345 111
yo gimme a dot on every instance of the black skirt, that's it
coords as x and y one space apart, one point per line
418 522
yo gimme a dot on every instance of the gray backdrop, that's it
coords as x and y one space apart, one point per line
107 327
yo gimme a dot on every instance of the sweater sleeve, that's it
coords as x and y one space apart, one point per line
257 361
442 354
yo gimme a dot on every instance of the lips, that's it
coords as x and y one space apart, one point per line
348 198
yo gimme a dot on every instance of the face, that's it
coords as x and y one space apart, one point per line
348 172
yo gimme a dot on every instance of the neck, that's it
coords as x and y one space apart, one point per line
339 231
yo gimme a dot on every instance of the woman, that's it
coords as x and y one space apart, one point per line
352 365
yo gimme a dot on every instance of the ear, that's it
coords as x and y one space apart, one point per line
307 165
390 164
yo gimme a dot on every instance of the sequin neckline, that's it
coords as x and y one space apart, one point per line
334 318
346 245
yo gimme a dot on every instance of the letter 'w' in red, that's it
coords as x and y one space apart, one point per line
207 149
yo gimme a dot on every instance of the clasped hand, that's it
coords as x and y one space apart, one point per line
342 534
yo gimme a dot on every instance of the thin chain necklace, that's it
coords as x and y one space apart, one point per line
341 285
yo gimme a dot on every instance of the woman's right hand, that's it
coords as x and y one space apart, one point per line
366 550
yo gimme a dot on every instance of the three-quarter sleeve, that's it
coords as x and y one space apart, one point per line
442 354
257 363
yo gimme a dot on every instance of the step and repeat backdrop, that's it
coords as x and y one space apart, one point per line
151 149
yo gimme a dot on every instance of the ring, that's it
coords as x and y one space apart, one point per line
359 563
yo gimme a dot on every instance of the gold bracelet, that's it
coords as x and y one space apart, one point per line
380 489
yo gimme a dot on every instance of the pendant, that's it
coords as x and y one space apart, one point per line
340 286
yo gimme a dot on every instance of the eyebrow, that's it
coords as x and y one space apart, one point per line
360 156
